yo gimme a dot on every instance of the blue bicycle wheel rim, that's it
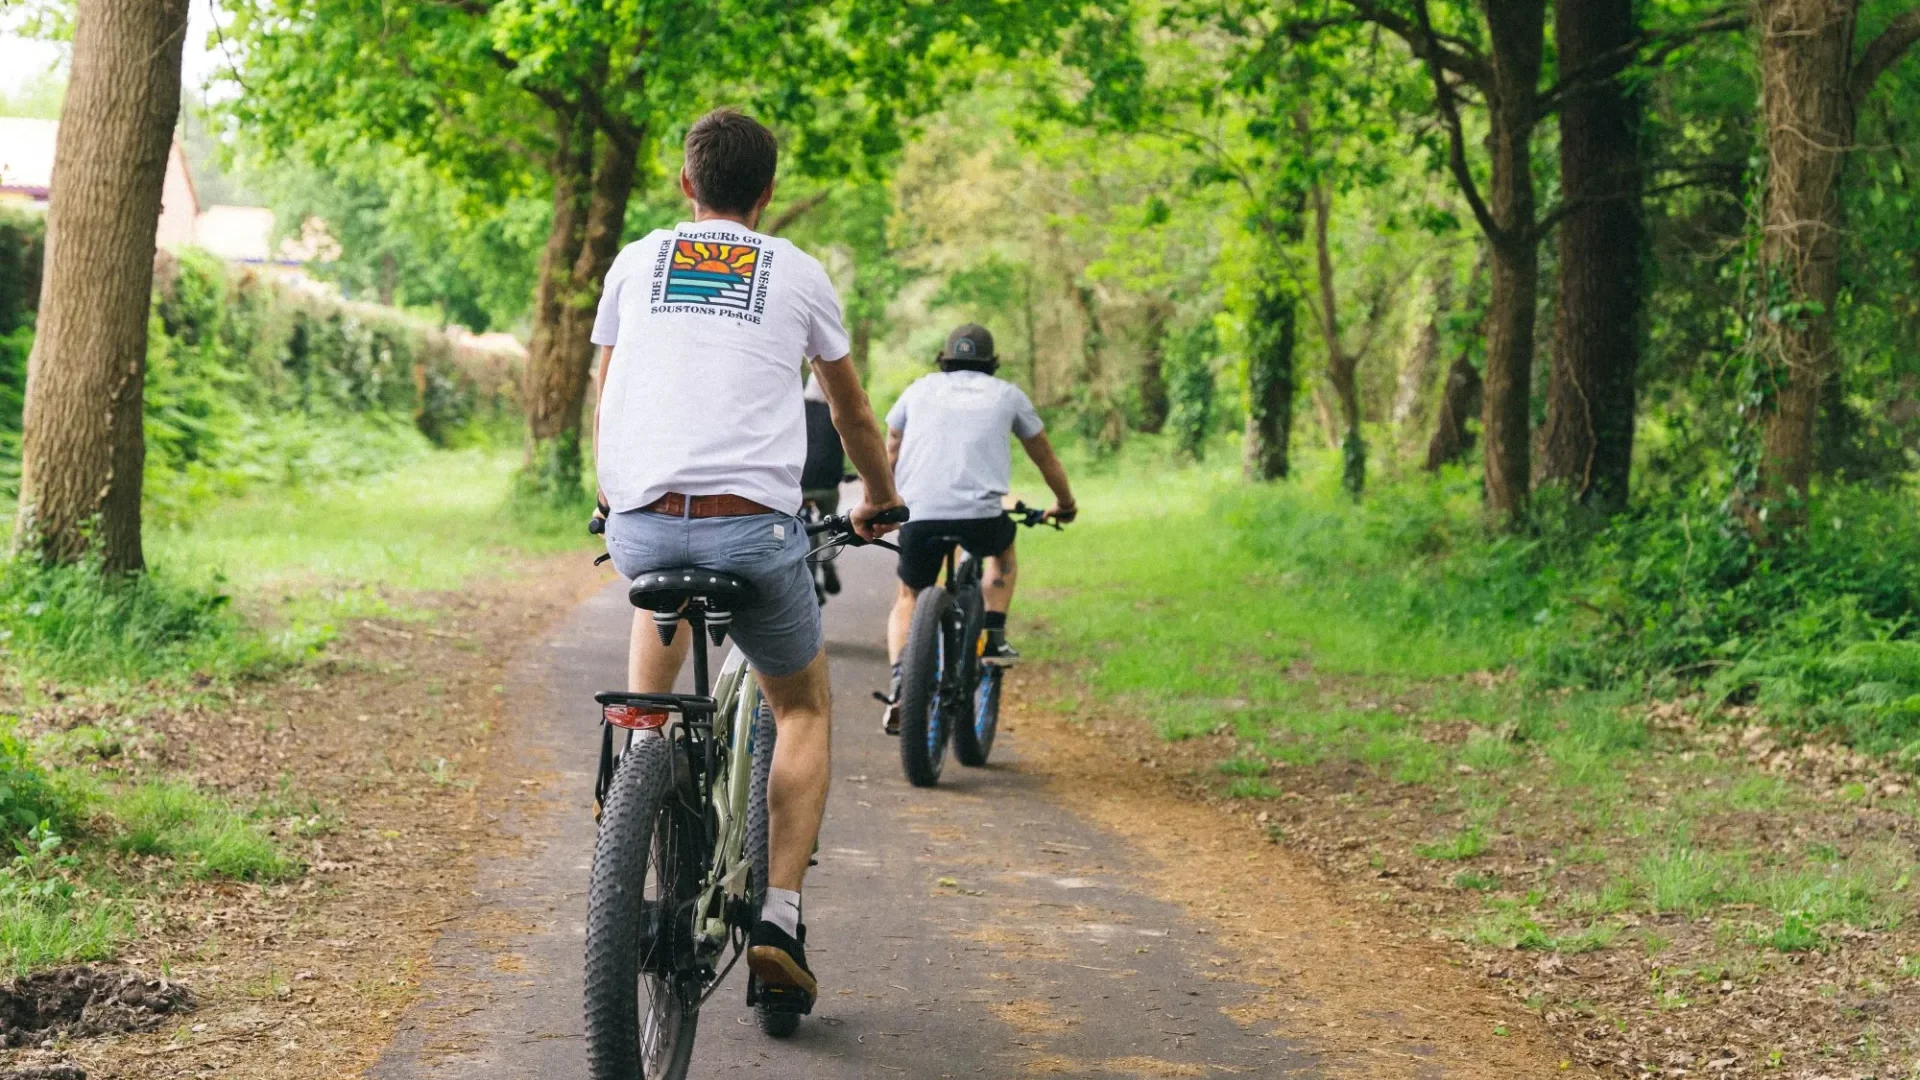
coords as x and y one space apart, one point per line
935 717
985 717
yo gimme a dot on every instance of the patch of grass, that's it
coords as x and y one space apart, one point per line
46 918
1249 787
1615 896
433 525
1476 880
1465 844
1488 751
204 834
1688 880
1511 924
78 626
1242 766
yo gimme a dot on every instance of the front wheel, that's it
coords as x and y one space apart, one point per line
642 996
926 670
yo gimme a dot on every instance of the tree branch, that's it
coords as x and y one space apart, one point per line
797 211
1608 65
1882 52
1456 135
1454 54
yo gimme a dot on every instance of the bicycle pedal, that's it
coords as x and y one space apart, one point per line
777 999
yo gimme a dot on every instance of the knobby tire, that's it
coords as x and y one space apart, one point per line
640 808
921 757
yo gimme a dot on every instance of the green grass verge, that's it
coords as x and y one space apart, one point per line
1396 641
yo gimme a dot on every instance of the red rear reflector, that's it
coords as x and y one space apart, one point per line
634 717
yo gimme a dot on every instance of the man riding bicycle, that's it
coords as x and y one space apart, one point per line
947 439
826 464
700 438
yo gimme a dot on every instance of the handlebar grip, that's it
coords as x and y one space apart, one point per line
893 515
597 525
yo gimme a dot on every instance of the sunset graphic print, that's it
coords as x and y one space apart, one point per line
711 274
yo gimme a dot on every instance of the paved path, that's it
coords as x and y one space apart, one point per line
974 930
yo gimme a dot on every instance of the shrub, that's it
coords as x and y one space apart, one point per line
75 623
1822 631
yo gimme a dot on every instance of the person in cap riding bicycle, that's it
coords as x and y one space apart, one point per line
947 437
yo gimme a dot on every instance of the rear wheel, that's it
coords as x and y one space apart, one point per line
642 994
926 669
773 1022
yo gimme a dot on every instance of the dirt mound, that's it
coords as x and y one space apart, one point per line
45 1072
83 1001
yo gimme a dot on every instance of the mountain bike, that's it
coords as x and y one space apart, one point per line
680 861
946 692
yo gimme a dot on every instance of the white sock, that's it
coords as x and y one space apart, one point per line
782 909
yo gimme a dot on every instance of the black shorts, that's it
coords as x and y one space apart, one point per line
922 552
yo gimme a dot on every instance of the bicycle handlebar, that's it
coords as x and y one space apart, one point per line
839 529
1029 516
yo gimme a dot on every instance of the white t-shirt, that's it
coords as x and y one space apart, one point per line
955 463
710 325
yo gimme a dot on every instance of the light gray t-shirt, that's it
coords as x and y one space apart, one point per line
710 324
955 462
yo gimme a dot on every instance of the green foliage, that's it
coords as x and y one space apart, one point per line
1190 378
29 799
48 918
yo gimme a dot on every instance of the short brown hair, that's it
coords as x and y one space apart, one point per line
730 160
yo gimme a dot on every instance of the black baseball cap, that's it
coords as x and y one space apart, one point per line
970 344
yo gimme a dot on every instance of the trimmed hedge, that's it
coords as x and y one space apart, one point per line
251 379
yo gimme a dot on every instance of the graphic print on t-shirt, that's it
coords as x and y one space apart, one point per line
712 274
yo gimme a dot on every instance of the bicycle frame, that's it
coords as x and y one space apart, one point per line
722 783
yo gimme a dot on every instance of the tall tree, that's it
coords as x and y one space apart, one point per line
1812 87
577 100
82 445
1587 444
1272 327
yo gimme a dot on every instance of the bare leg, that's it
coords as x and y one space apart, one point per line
899 622
651 666
1002 571
802 760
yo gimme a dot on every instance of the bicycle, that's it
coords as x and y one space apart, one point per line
945 689
680 860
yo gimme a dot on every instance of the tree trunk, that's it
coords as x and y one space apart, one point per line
1805 53
82 444
1459 401
1102 414
1153 375
1588 439
1416 372
589 210
1342 365
1516 30
1271 336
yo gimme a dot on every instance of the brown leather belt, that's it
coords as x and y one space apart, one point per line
705 506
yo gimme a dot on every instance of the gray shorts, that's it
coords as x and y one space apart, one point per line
780 632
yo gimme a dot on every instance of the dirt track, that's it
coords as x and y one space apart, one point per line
1058 914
